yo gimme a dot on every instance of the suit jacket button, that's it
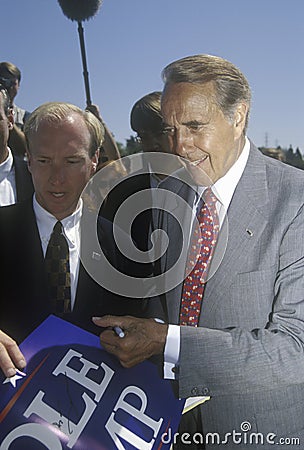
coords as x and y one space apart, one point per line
205 391
175 369
194 391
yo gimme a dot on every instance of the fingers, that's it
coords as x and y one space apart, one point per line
10 356
109 338
113 321
121 348
142 338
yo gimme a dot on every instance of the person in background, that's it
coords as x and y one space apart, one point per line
237 336
146 120
109 150
15 179
10 77
276 153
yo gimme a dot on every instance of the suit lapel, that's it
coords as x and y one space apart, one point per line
90 253
247 218
176 219
24 184
31 230
31 250
245 222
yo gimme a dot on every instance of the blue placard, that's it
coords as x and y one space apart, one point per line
74 395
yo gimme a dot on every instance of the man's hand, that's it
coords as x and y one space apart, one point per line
94 109
143 338
10 356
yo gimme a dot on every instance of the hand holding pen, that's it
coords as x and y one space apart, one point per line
119 331
134 340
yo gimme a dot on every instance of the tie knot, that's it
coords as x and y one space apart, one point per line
209 197
57 228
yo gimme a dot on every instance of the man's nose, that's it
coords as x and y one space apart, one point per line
57 175
181 142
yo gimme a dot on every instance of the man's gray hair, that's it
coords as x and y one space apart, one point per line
231 86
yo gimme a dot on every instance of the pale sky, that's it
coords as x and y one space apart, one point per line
128 44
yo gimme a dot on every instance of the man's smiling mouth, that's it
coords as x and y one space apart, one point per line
198 161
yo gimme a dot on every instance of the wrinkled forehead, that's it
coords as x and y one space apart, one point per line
180 99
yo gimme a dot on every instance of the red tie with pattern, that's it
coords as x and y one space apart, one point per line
200 253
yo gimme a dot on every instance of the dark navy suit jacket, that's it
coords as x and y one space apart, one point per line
24 301
24 184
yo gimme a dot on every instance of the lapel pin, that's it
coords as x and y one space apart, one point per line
249 232
96 256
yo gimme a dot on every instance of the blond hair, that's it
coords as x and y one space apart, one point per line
55 113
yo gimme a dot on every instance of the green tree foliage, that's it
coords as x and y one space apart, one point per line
131 147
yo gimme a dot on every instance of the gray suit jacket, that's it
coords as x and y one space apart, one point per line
248 351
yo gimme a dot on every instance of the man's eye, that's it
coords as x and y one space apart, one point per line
195 126
73 161
168 130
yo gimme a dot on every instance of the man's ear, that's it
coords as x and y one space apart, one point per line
240 117
95 160
29 160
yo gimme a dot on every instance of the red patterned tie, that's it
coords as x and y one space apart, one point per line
200 253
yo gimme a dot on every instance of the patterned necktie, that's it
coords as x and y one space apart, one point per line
57 265
200 253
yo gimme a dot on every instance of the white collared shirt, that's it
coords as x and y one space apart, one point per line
71 230
8 194
223 189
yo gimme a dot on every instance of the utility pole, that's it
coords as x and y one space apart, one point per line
266 140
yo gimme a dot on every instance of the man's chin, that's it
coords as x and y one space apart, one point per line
201 176
60 212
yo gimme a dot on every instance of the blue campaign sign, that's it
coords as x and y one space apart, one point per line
74 395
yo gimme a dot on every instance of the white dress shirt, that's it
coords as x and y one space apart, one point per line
71 231
8 194
224 189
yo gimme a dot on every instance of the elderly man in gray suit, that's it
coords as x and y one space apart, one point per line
247 350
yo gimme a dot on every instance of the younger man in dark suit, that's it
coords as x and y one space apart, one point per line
63 150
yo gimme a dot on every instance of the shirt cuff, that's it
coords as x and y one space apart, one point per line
171 353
